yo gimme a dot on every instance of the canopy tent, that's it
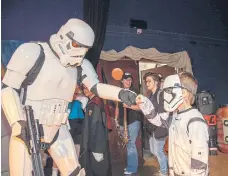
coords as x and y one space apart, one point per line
179 60
126 60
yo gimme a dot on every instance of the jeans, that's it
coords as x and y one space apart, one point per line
157 149
132 154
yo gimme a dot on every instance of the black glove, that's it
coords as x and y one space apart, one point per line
24 135
127 97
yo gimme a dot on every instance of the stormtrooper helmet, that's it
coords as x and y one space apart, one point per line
72 42
172 93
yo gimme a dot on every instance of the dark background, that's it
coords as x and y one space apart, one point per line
197 26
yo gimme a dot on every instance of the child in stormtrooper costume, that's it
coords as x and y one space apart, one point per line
49 93
188 131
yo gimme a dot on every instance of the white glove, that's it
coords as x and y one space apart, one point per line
145 104
84 100
98 156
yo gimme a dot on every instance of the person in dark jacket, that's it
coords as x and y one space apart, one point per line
94 153
157 135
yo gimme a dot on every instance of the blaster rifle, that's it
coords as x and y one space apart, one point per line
34 142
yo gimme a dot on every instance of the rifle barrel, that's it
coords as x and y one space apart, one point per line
35 144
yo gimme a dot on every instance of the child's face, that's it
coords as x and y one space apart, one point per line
87 92
187 96
77 91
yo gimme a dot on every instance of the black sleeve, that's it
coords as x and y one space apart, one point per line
99 131
161 103
120 104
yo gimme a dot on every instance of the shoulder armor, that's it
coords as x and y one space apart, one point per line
195 119
24 58
89 75
88 69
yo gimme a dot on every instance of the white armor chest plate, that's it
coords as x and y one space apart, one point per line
54 80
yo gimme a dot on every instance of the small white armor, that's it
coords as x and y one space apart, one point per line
172 93
50 94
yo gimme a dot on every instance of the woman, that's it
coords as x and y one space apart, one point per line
157 135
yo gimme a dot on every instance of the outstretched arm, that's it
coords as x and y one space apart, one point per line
105 91
133 107
149 111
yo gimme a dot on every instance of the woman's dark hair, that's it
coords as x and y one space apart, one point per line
156 77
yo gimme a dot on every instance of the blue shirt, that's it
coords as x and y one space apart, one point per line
76 111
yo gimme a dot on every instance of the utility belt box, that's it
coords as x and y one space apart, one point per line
211 120
205 102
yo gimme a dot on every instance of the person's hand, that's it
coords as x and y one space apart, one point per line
125 106
139 99
98 156
127 96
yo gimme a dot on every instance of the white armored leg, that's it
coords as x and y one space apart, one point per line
19 159
64 154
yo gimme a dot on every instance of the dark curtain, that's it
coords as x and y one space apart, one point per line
96 15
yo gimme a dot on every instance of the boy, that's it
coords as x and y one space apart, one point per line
188 133
94 145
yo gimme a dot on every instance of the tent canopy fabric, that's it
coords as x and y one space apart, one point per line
179 60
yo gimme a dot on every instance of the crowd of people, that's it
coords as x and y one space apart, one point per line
165 116
75 134
176 118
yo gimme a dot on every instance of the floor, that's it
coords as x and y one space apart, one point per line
218 166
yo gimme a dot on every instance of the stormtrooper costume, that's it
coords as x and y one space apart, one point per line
49 94
188 132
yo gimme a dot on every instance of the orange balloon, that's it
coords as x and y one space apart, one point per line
117 74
